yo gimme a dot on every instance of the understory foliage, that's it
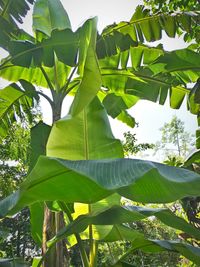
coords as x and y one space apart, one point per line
78 176
16 240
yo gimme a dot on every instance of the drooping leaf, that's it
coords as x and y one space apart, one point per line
126 118
183 59
152 75
114 105
138 180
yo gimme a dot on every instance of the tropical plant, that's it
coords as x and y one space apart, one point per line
74 189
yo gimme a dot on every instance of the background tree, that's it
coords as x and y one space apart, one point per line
14 165
175 141
131 146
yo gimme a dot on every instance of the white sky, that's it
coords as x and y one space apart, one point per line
150 116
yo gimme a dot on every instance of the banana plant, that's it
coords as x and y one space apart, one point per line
77 173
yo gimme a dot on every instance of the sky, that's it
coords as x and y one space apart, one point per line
150 116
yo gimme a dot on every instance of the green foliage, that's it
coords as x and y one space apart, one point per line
13 149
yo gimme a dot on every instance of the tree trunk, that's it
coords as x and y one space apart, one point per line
54 221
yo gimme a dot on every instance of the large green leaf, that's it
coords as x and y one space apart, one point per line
143 84
46 18
89 181
73 136
91 81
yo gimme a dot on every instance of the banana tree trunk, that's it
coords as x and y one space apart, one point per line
53 222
